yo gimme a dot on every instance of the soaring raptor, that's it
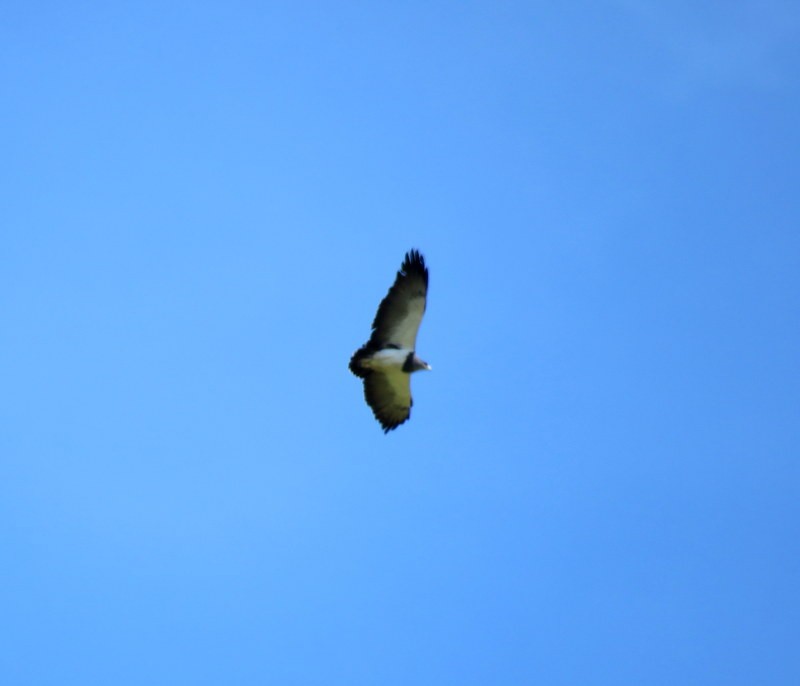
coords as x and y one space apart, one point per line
386 361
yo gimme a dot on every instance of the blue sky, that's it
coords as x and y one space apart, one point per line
202 205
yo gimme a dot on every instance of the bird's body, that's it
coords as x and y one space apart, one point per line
388 359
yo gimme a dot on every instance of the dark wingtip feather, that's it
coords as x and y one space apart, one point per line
414 263
388 426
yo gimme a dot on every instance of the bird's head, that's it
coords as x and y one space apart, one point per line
420 365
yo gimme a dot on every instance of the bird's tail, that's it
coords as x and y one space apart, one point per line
355 363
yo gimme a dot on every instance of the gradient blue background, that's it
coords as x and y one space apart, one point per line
202 205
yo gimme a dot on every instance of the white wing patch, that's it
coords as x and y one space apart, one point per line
404 333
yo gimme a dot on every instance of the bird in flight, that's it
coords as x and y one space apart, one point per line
386 361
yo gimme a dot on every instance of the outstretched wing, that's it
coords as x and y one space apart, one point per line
400 312
388 393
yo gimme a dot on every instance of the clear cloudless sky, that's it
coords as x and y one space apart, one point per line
201 206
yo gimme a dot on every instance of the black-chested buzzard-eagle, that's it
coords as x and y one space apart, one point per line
386 361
